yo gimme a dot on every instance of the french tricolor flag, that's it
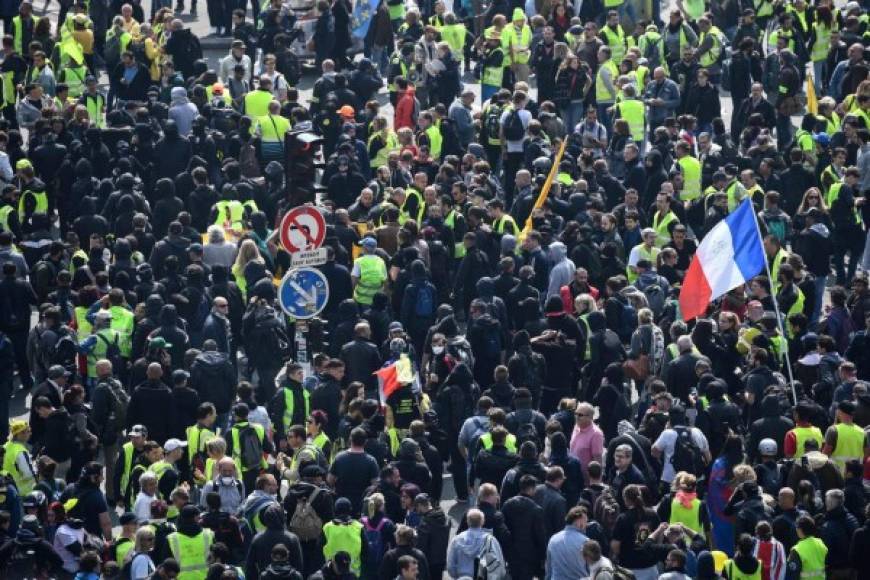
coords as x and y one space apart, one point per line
728 256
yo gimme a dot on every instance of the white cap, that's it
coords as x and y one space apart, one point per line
173 444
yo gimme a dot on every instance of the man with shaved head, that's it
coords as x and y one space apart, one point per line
151 405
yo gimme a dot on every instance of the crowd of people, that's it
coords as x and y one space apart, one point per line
501 383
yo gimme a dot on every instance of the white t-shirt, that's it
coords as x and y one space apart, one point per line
666 444
66 536
525 117
142 567
142 507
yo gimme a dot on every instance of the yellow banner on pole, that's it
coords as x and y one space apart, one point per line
812 101
545 191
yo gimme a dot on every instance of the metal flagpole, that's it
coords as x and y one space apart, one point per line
790 377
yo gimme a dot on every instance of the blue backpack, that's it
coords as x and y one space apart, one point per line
374 541
425 306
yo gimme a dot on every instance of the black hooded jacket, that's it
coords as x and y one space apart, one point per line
260 553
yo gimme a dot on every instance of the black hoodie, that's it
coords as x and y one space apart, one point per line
260 553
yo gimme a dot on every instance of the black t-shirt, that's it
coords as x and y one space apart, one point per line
91 503
632 529
354 472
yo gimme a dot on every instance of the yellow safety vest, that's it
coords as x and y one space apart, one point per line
804 434
321 441
780 257
5 212
41 199
237 451
344 538
710 57
122 548
454 36
95 104
435 140
812 552
645 254
691 170
23 481
372 274
124 321
660 225
273 128
634 114
822 45
83 326
128 451
257 103
290 405
421 207
689 517
18 32
499 225
75 77
197 438
615 40
850 444
493 75
458 247
191 552
379 159
232 211
734 572
521 39
602 95
510 443
834 194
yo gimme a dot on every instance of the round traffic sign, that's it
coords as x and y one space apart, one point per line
302 228
303 293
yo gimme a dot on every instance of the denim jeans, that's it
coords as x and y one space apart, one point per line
818 74
381 59
572 115
604 116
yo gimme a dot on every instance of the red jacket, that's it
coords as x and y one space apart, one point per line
406 110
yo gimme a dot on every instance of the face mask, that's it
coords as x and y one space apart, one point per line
226 480
437 349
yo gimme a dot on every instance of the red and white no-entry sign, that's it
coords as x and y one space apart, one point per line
302 228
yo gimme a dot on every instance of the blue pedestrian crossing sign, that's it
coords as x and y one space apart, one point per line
303 293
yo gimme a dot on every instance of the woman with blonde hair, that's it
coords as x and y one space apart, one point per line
141 564
376 520
248 258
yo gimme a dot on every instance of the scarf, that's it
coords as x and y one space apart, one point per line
686 498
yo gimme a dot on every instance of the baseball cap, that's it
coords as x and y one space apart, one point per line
195 247
369 243
179 376
159 342
139 430
347 111
395 326
173 444
646 231
57 371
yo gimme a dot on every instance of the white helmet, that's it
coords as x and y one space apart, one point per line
767 447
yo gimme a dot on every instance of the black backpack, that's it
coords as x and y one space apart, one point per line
687 455
43 277
63 352
113 351
250 448
269 334
514 130
492 123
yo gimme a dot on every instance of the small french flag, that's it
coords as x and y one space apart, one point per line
728 256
